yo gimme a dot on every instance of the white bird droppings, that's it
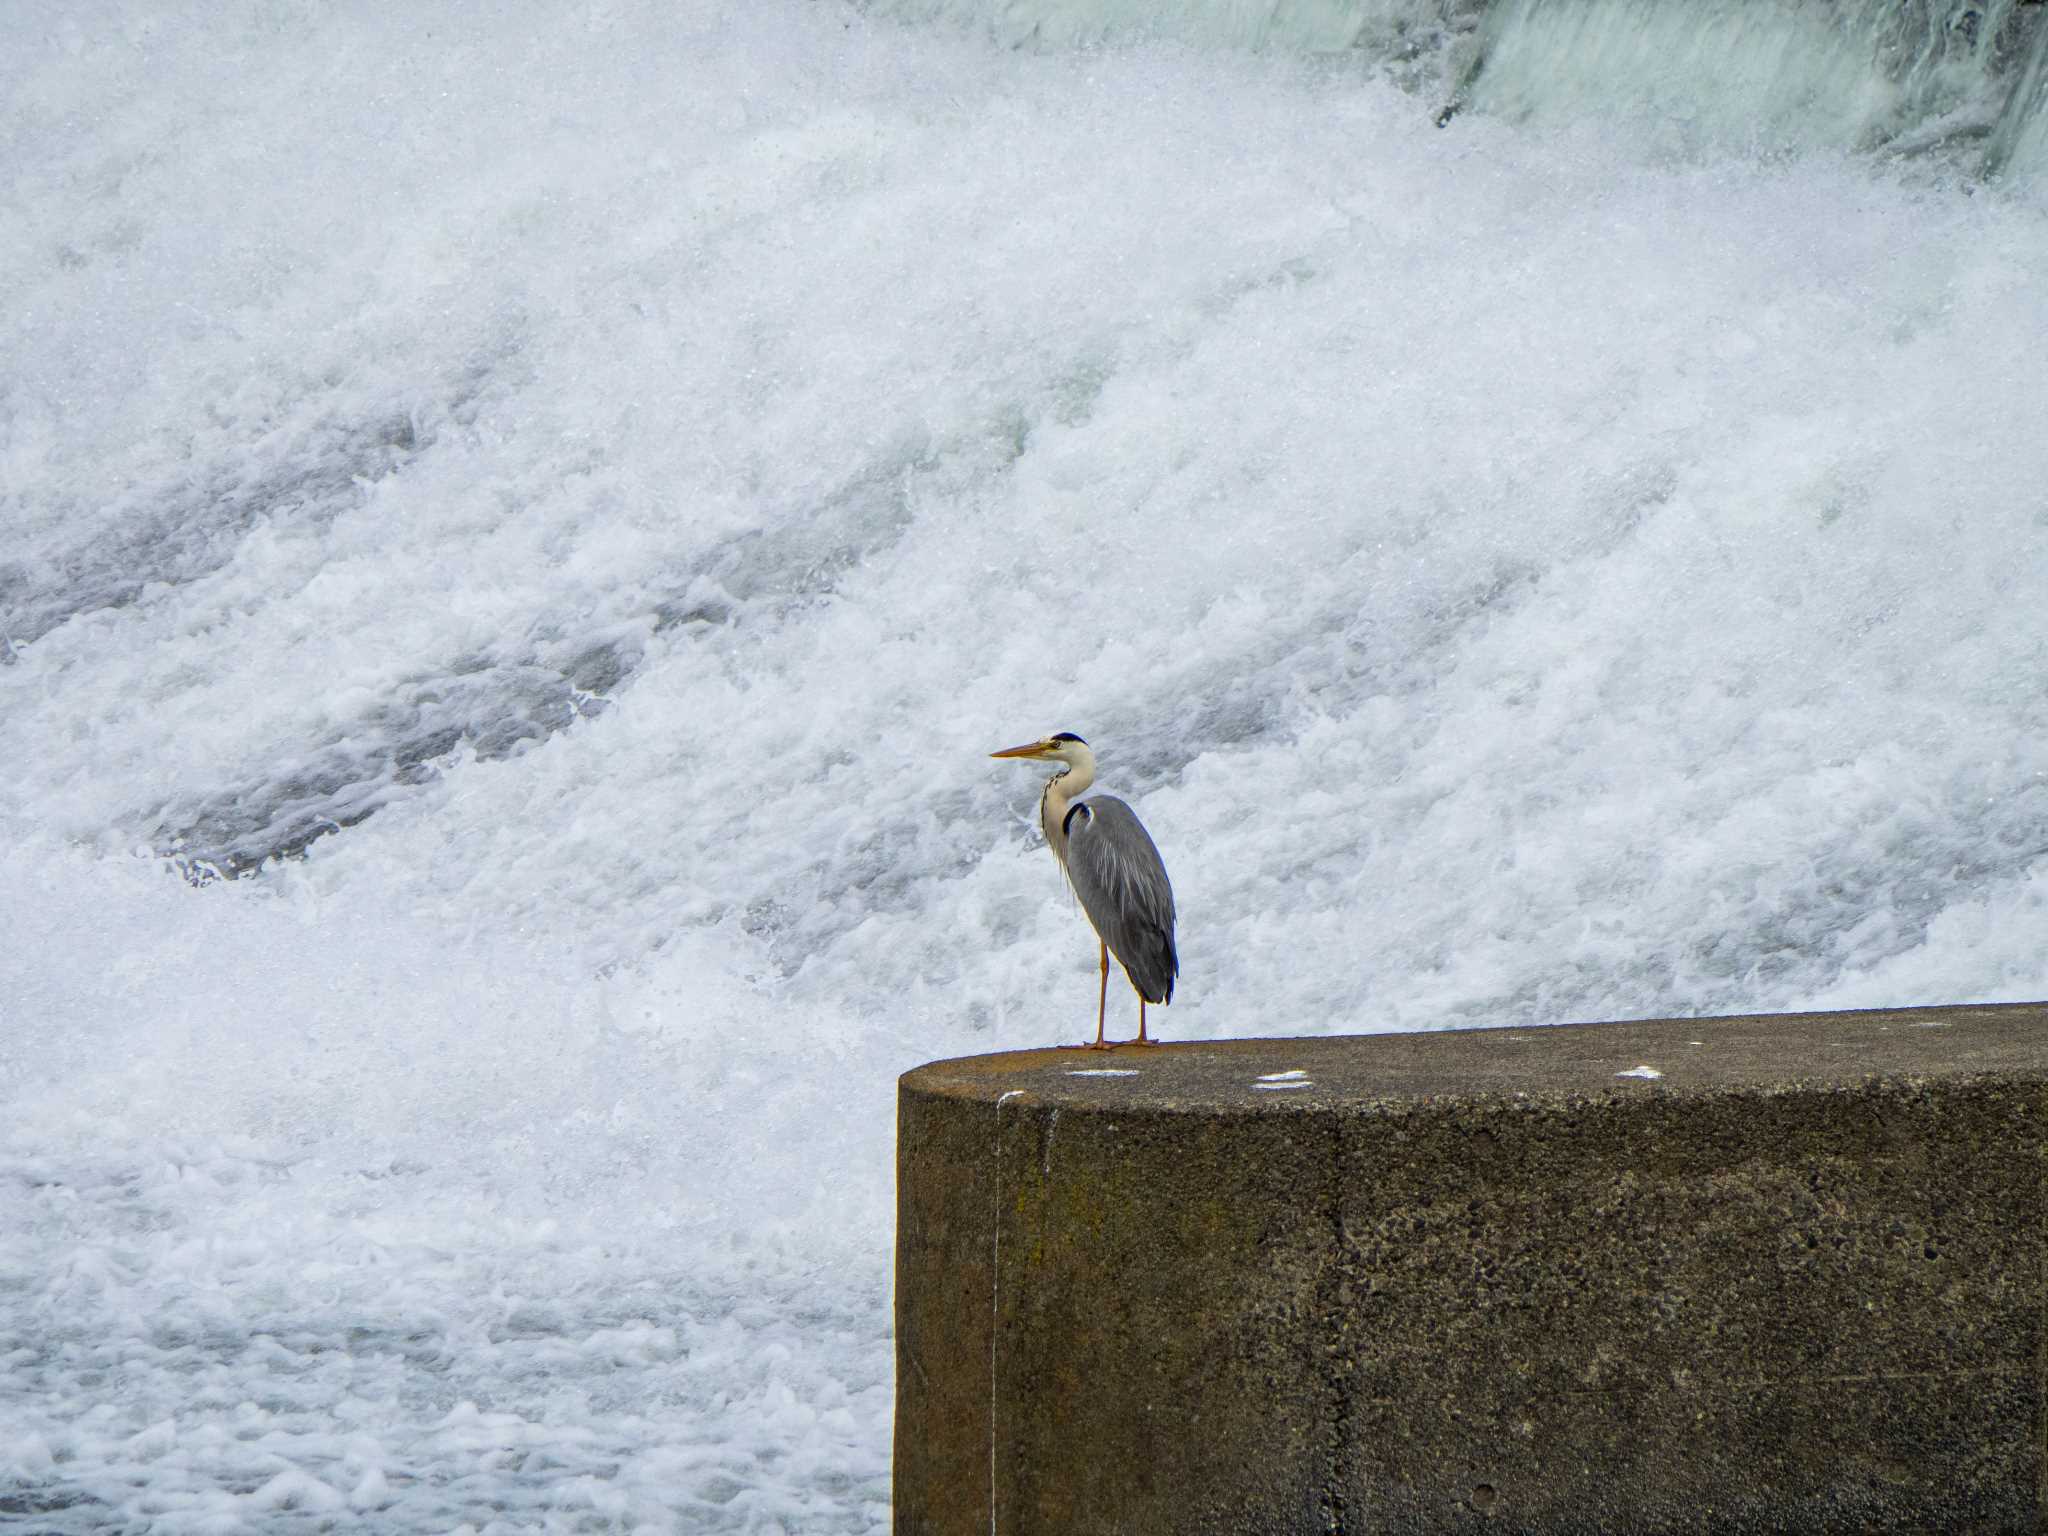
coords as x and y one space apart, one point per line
1643 1071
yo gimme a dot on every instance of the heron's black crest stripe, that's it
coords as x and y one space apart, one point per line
1078 808
1067 736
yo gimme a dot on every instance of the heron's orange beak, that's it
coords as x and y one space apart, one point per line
1029 749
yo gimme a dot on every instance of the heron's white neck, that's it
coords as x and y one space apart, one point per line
1061 791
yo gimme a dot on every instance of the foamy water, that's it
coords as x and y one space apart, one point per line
591 488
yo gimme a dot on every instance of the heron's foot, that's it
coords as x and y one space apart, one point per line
1088 1045
1142 1040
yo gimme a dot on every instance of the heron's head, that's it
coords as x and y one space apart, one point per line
1060 747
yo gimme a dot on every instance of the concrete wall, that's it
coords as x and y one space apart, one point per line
1480 1280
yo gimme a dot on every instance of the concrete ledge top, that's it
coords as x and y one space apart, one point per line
1756 1053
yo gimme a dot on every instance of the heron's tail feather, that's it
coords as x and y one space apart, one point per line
1152 965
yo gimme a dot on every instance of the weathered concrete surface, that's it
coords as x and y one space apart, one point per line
1477 1281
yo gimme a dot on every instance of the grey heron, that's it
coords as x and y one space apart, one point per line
1115 870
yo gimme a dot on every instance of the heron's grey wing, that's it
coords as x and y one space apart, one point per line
1121 880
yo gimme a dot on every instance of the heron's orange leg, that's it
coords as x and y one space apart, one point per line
1142 1040
1102 1004
1101 1013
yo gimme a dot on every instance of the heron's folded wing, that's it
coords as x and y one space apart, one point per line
1121 880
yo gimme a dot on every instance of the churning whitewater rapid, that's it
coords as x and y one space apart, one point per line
519 526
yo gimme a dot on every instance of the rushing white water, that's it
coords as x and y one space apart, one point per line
591 486
1386 32
1910 76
